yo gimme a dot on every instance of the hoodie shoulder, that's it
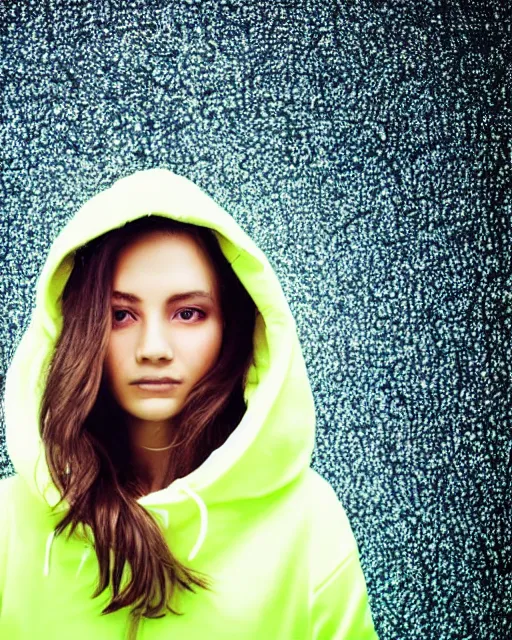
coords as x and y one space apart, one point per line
7 488
340 608
332 539
7 493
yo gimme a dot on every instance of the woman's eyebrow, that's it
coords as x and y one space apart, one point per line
130 297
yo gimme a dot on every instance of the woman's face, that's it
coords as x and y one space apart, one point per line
166 323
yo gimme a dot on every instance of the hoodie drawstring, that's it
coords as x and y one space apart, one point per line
49 542
203 511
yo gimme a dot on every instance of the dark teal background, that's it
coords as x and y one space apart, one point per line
366 147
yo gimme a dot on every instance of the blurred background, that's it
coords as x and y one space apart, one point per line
366 146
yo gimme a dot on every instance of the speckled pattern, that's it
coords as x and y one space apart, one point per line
366 147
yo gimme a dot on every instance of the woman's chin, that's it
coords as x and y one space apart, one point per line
159 411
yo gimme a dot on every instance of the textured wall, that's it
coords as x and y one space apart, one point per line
366 147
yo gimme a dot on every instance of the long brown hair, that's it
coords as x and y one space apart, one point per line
82 427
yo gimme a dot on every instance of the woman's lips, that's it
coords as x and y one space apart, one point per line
157 386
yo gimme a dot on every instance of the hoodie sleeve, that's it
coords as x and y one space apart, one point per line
339 604
340 609
4 532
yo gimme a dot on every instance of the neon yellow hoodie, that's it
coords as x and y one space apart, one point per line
265 527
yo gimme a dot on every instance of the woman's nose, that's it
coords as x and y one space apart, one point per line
154 345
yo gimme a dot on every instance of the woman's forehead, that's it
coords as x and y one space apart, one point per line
158 260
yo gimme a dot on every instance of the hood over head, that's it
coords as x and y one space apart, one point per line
274 441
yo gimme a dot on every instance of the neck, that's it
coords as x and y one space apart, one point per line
148 435
151 450
157 448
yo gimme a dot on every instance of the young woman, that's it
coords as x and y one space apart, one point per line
158 413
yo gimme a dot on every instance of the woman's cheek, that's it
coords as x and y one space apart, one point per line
204 349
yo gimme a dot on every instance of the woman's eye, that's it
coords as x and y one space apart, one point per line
189 314
119 316
116 313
